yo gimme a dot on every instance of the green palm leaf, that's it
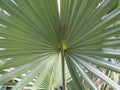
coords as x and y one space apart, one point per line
50 49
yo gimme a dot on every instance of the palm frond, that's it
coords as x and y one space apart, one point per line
49 49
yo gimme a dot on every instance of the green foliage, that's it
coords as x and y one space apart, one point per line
48 49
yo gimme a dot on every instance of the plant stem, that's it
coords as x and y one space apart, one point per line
63 68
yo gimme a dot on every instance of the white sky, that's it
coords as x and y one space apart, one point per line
59 5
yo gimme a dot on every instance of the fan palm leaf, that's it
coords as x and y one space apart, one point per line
49 49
